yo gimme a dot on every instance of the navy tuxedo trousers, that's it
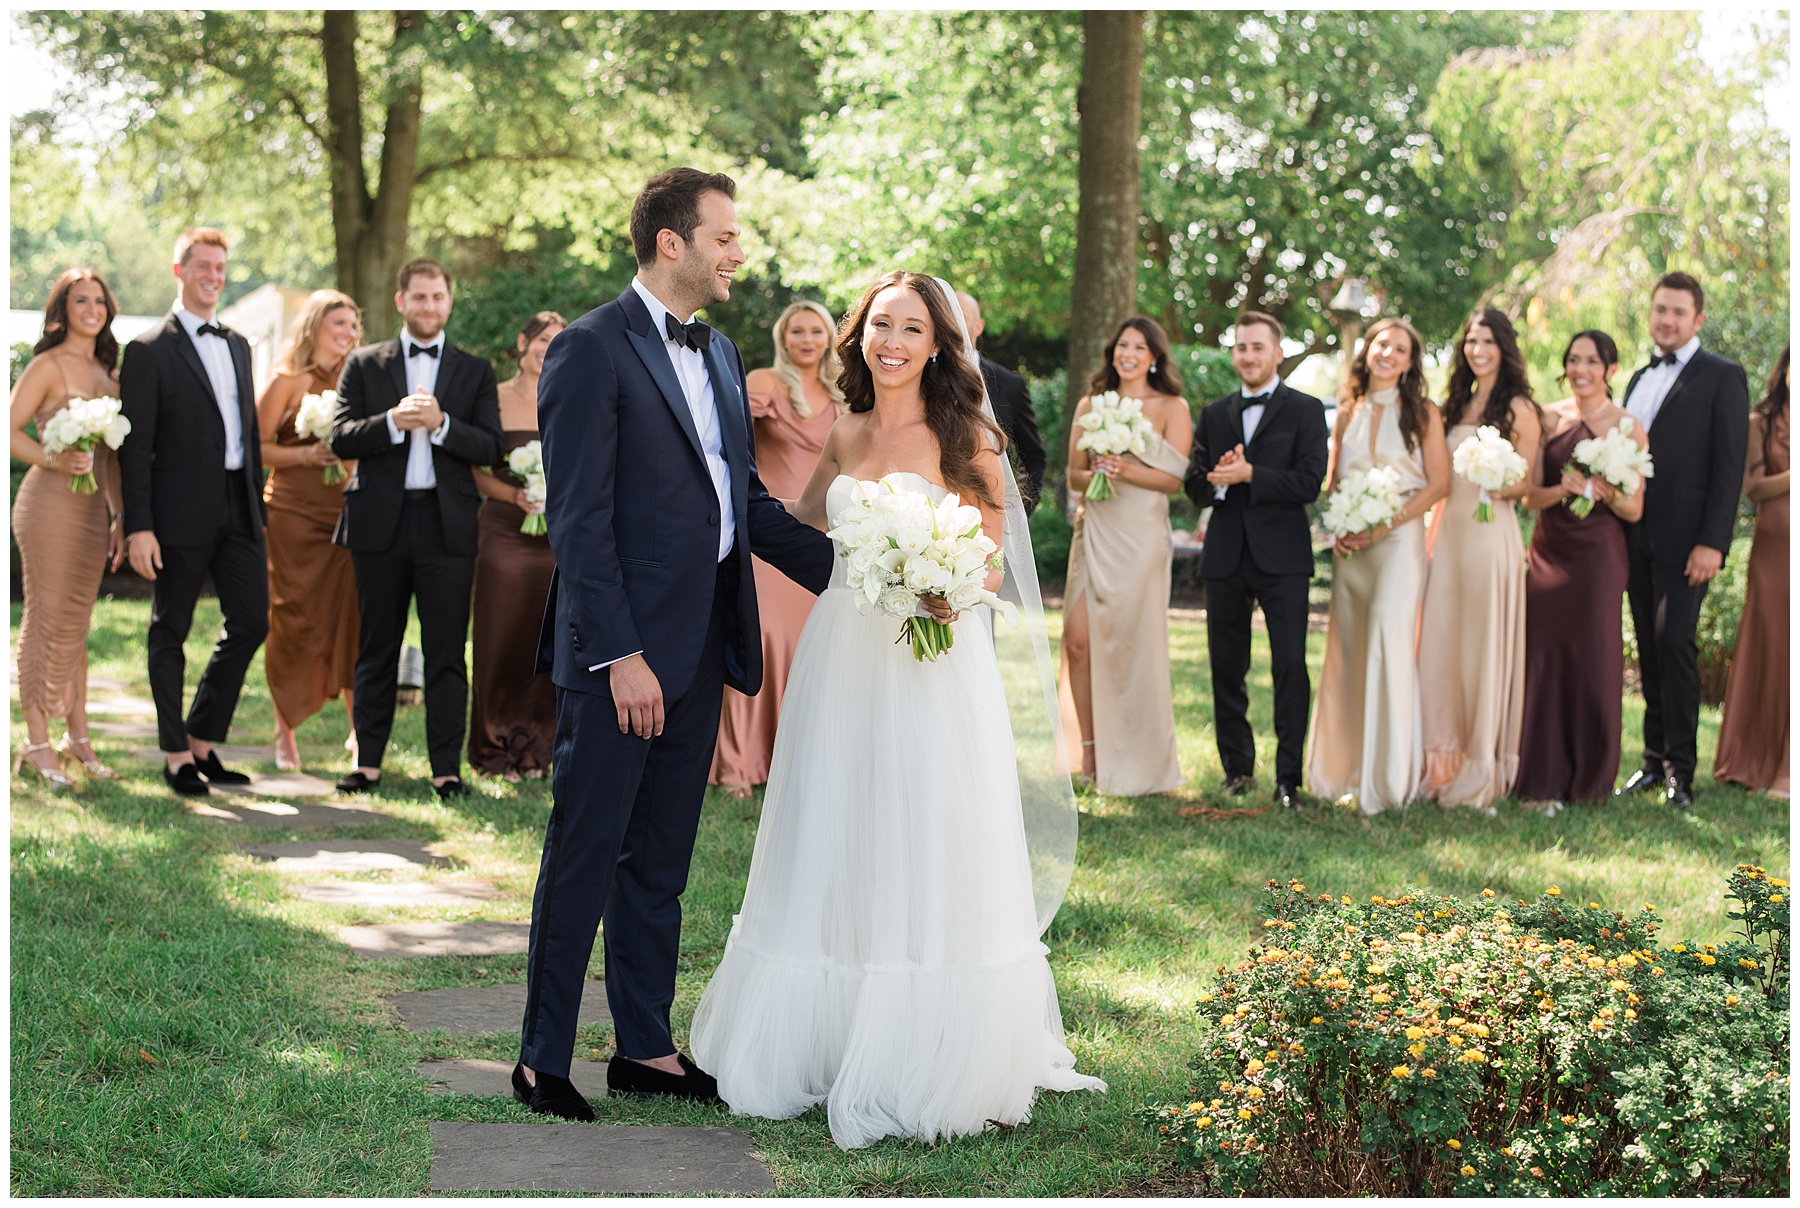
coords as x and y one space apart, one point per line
620 838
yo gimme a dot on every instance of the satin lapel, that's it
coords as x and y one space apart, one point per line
396 366
1271 406
1681 382
191 355
1236 432
448 372
656 359
240 364
730 405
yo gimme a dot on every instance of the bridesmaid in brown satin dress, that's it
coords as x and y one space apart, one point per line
512 721
1575 577
310 654
1753 733
1116 600
64 537
792 406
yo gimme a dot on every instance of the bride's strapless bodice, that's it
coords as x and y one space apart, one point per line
837 498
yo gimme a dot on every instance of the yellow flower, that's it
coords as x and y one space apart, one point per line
1401 1071
1453 1041
1747 963
1616 984
1545 1004
1296 1047
1472 1055
1476 1029
1656 971
1487 893
1415 1033
1731 1000
1706 960
1568 1119
1593 905
1537 1172
1196 1107
1554 892
1428 1072
1227 1020
1677 947
1255 1092
1774 898
1468 1171
1453 1143
1507 1150
1346 899
1628 962
1630 1014
1215 1104
1203 1122
1417 1050
1649 907
1318 1019
1377 970
1253 1066
1273 1054
1778 883
1245 1113
1206 996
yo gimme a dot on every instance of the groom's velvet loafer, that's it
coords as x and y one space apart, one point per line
627 1077
552 1096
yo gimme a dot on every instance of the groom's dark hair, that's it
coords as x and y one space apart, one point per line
670 201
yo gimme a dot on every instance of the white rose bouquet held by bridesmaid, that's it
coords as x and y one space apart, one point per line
1614 457
314 419
1113 426
902 548
81 425
527 461
1490 462
1363 500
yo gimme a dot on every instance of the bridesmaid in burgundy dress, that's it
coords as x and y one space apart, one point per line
1574 580
512 719
1753 733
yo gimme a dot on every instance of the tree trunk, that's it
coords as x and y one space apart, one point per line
370 230
1109 106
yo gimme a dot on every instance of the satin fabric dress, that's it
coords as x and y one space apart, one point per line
1753 731
1366 737
1472 647
787 449
1120 558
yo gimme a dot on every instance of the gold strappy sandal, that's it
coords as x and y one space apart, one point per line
56 778
95 768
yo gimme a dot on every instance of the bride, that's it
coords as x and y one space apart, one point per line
918 829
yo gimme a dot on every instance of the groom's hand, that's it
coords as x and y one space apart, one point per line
638 697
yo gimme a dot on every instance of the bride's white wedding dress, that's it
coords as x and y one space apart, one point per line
886 961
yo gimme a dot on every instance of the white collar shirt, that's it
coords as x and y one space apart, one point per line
1252 414
215 355
697 392
421 378
1653 388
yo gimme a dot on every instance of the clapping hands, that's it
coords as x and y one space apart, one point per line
418 411
1231 469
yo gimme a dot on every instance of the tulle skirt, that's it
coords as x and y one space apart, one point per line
886 961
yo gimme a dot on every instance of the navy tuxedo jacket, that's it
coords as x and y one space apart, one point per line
633 516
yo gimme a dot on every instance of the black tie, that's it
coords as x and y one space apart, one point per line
210 329
1667 358
693 335
428 350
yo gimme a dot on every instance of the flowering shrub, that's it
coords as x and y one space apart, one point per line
1429 1045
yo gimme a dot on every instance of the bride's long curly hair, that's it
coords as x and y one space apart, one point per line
950 386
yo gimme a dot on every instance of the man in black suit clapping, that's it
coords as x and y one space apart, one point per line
415 413
1012 409
1259 458
191 470
1695 406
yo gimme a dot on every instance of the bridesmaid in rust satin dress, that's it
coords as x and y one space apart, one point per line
793 406
512 722
1753 732
1575 578
310 655
64 536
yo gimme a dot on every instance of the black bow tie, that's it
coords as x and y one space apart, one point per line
1264 397
210 329
693 335
1667 358
418 350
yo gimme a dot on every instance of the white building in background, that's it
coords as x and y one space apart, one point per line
26 326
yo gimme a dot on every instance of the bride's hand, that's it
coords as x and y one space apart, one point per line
939 608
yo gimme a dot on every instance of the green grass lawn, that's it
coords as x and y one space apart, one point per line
180 1027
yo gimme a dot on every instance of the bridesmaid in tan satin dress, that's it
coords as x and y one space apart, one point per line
512 717
1367 742
310 654
1753 732
793 406
1115 646
64 537
1472 627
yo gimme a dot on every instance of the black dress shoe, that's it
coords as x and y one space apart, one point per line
185 780
1237 786
453 787
1288 797
356 782
627 1077
552 1096
1645 780
1677 794
216 772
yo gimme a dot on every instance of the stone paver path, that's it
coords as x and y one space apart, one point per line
597 1158
123 729
473 937
346 855
395 893
479 1010
271 815
474 1076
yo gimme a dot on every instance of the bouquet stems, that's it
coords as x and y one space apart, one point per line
1484 510
1099 487
1581 505
534 525
84 484
929 638
333 475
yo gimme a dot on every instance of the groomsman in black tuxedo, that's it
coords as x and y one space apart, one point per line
1695 406
1012 409
1259 458
191 470
415 413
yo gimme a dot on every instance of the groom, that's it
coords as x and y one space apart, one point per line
654 510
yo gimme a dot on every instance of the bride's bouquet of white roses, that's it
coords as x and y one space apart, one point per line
1113 426
1490 462
314 420
902 547
1363 499
1614 457
527 461
81 425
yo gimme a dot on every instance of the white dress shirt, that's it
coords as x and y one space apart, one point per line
421 378
1254 405
1653 388
215 354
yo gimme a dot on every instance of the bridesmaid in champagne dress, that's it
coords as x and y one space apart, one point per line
512 718
1366 740
793 407
1574 582
1472 626
1753 733
1116 600
310 655
64 536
